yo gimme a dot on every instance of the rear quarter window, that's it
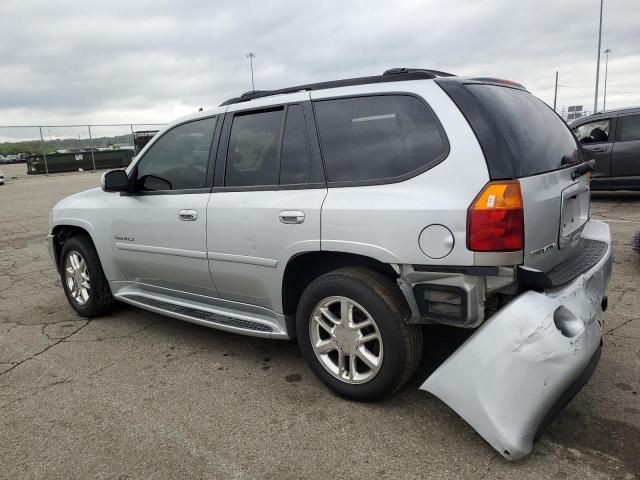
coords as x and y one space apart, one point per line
536 137
377 138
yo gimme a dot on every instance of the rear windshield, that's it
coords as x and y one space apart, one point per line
537 138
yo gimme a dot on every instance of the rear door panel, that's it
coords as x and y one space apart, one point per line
253 230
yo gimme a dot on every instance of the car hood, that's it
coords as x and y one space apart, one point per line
87 199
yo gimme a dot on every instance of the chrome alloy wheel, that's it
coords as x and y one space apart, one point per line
76 276
346 340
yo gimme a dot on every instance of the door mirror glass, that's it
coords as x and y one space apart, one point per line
152 182
115 181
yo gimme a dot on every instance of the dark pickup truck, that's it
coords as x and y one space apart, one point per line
612 138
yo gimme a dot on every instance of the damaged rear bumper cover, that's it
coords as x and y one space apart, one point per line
524 364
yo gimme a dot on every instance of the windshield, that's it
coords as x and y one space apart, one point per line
538 140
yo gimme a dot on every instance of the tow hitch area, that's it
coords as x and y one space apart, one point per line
526 362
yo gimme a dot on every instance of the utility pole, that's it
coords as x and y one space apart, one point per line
555 95
595 101
606 71
251 56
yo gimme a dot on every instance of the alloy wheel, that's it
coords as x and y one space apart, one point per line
76 277
346 340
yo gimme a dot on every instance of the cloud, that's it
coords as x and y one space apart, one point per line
148 61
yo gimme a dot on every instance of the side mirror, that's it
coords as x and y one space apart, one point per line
115 181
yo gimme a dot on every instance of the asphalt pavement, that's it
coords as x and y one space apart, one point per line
137 395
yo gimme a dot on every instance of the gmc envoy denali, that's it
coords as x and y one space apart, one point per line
351 213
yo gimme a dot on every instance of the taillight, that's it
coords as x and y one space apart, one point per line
495 220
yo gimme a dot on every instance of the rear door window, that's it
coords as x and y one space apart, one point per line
377 138
295 162
252 157
593 132
630 128
269 148
539 141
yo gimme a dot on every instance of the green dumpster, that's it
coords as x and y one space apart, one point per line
72 162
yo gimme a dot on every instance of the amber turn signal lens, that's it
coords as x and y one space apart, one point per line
499 195
495 220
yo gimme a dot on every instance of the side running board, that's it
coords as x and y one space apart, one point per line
203 316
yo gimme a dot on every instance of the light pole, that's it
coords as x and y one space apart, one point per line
555 93
606 71
251 56
595 101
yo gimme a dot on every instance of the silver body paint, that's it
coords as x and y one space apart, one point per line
226 269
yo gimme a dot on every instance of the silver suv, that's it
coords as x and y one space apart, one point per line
351 213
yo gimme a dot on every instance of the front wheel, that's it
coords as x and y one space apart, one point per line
83 280
352 333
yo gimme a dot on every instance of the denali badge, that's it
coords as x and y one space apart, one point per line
124 239
542 250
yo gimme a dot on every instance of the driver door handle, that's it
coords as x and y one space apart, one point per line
599 149
188 215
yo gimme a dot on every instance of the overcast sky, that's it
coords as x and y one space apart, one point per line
90 61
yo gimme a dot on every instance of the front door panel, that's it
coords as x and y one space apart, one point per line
156 241
601 153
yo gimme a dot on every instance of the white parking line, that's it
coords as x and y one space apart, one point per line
615 221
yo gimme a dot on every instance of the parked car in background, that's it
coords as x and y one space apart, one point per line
612 138
351 213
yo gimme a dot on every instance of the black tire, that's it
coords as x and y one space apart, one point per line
382 299
100 301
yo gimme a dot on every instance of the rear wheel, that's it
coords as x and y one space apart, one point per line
83 280
352 333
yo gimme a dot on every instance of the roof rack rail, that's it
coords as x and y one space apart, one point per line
437 73
392 75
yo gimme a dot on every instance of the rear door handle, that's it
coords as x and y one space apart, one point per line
291 216
188 215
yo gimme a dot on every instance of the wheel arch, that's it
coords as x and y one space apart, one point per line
61 233
305 267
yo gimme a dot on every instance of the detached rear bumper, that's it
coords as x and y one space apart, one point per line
525 363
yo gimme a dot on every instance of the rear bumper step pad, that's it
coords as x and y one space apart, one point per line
588 253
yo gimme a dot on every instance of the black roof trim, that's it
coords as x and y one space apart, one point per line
392 75
602 115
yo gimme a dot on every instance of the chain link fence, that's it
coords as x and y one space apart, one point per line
59 148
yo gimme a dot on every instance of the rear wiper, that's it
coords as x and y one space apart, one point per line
583 168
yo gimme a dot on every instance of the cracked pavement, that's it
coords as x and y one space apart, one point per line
136 395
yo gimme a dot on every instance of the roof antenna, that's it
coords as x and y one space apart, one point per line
251 56
200 109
